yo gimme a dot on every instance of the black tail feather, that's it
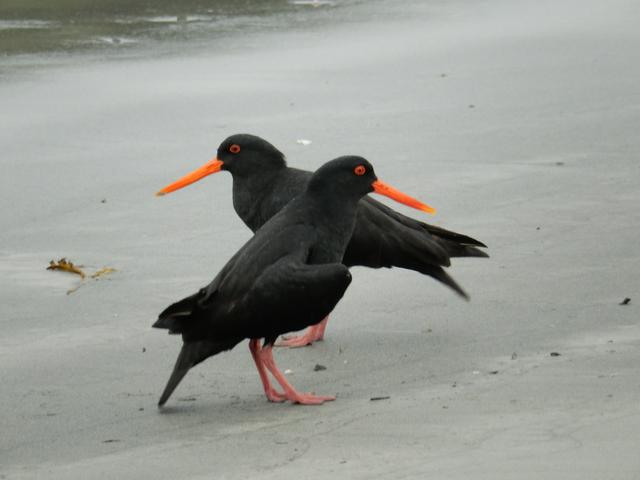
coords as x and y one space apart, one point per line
174 316
192 353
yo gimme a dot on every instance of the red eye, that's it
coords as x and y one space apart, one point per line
359 170
234 148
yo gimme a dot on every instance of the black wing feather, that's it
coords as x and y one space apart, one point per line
292 295
386 238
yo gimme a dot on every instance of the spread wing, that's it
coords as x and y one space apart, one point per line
385 238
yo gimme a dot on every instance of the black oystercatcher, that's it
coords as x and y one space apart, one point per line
286 278
263 184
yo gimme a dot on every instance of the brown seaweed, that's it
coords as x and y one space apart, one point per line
66 266
103 271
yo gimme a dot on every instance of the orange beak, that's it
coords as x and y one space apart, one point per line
212 166
388 191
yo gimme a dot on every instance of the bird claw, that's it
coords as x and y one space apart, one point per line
312 335
310 399
274 396
295 342
295 397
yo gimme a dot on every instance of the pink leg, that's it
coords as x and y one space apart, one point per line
272 394
266 356
322 326
313 334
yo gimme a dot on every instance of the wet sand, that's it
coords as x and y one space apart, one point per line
517 120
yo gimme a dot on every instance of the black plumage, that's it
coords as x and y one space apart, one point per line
382 237
287 277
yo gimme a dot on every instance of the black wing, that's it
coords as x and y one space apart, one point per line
386 238
291 295
267 286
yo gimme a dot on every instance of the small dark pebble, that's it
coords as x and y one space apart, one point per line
554 354
537 228
443 75
144 349
111 440
472 105
559 164
141 409
514 355
626 301
104 200
319 368
493 372
375 399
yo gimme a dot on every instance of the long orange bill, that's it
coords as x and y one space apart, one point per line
212 166
388 191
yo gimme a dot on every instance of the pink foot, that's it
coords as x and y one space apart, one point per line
299 341
313 334
275 396
310 399
266 358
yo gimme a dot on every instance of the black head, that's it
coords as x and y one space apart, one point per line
351 178
348 176
243 154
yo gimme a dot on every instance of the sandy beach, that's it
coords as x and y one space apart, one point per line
517 120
